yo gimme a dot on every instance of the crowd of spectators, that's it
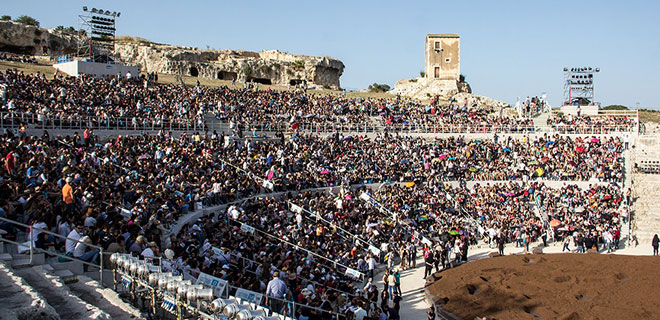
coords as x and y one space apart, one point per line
17 58
588 124
123 194
101 102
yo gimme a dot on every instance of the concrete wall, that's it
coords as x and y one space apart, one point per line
74 68
584 110
448 47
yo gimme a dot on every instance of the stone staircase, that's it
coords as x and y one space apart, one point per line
645 208
541 121
43 288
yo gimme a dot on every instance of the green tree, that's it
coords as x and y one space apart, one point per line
59 28
422 74
27 20
5 18
615 107
376 87
461 78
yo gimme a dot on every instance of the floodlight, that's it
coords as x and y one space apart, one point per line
94 10
84 8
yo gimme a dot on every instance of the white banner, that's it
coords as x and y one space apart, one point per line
426 241
126 214
374 250
353 273
247 228
216 283
251 296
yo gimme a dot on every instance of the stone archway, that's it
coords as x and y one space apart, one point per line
227 75
194 72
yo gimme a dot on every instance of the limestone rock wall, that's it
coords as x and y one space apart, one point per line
480 100
270 66
23 39
424 88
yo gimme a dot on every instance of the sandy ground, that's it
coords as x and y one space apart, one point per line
414 305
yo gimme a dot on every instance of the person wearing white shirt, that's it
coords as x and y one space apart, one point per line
371 266
360 313
81 251
70 243
38 228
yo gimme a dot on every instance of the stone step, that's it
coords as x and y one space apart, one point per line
20 263
66 276
104 298
19 301
6 257
95 275
76 267
56 293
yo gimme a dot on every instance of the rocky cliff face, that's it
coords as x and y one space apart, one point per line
23 39
424 88
268 67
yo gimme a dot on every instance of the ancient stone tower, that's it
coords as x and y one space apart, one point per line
442 59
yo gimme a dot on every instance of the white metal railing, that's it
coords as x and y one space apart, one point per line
32 247
14 120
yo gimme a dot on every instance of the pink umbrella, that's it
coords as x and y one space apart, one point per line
325 171
595 140
442 156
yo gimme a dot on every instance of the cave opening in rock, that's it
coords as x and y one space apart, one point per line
260 80
194 72
227 75
295 82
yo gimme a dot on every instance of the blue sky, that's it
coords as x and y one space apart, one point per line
509 49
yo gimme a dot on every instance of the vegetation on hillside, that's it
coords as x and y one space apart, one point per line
615 107
27 20
5 18
376 87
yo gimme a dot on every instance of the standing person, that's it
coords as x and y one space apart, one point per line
360 313
654 243
67 196
413 255
372 266
391 284
431 314
579 241
567 241
526 240
277 289
428 262
397 277
500 244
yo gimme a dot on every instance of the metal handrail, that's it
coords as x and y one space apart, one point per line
306 279
32 248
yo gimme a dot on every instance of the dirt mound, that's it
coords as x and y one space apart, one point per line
553 286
